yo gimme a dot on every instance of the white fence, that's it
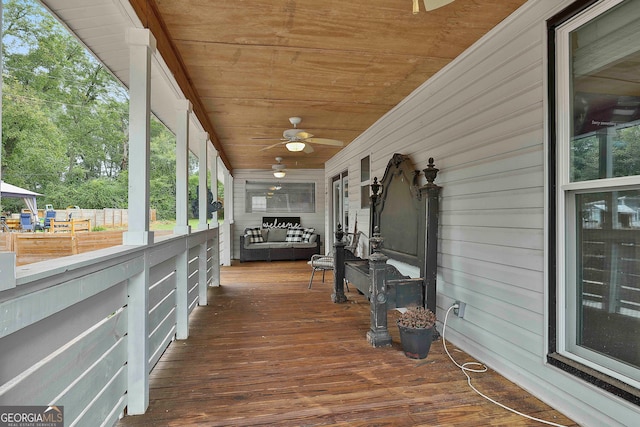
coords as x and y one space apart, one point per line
84 332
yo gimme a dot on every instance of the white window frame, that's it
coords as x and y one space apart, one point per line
566 262
340 209
257 192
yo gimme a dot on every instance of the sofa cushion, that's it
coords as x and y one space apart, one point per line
295 235
307 233
303 245
254 235
277 235
279 245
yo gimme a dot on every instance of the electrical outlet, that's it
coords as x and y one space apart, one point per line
460 310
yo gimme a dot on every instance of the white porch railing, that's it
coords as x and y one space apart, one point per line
81 332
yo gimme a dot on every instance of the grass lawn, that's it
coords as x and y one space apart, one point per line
170 224
166 225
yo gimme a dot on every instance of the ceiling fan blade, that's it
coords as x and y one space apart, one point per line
308 148
271 146
303 134
434 4
325 141
270 139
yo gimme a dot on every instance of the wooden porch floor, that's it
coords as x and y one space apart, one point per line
267 351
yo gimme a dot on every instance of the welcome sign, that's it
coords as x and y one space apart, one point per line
280 222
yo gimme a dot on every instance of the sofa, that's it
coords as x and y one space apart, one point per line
278 244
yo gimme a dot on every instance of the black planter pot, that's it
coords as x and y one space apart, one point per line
416 342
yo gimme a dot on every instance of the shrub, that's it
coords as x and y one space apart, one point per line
417 317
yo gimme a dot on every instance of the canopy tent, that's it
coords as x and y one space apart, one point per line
29 197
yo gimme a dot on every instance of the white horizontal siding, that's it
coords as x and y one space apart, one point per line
482 119
491 200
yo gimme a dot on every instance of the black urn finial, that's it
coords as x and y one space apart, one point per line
375 187
430 172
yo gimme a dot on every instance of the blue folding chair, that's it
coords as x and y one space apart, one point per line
48 216
26 224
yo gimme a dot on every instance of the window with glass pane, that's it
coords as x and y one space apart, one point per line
277 197
599 181
605 62
340 200
608 268
365 165
365 188
365 197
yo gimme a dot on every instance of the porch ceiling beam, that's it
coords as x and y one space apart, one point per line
149 16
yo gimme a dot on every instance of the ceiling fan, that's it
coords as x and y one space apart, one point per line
300 140
430 5
279 170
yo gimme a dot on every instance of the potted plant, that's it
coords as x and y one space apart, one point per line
416 327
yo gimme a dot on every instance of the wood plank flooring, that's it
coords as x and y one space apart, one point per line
267 351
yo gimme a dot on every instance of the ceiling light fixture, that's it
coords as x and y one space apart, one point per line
295 146
279 168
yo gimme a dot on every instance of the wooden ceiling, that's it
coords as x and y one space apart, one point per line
339 65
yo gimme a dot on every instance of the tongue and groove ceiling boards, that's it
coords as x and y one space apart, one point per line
250 65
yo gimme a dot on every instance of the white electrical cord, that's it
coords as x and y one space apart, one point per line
465 367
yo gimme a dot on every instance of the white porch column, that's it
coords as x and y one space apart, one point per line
7 270
141 47
215 250
203 252
202 182
138 341
7 259
183 111
182 295
228 195
226 251
142 44
213 171
1 85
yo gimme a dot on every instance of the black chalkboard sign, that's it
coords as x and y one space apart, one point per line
280 221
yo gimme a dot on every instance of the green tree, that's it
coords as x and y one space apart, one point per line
626 151
65 120
32 151
162 171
